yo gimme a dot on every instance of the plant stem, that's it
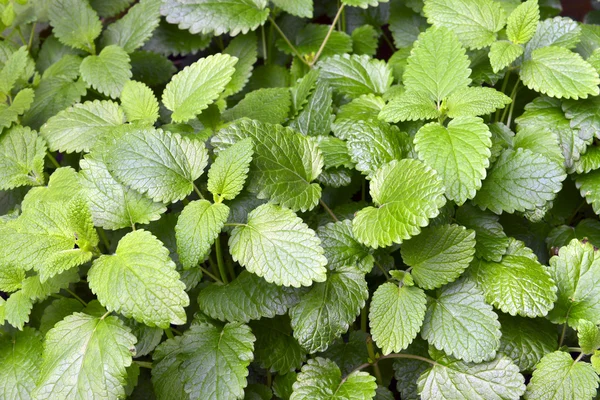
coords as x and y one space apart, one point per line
372 356
21 36
231 270
579 357
220 262
331 28
363 319
503 90
385 273
210 274
52 159
76 297
105 315
264 44
562 335
197 191
294 50
169 333
575 349
269 378
513 96
144 364
328 210
31 36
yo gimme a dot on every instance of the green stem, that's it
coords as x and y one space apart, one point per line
264 44
21 36
144 364
331 28
328 210
31 36
52 159
388 41
513 96
269 378
503 90
208 273
363 319
105 315
562 335
220 262
294 50
76 297
385 273
197 191
575 349
579 357
169 333
231 270
373 357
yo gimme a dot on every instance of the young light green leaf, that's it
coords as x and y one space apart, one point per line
22 154
576 271
496 379
520 180
523 21
475 101
12 70
77 128
75 23
197 86
588 336
299 8
589 187
276 349
19 366
503 53
475 22
11 278
439 254
558 72
139 103
363 3
327 310
245 49
278 246
459 322
162 164
284 164
459 153
335 152
36 290
398 216
557 375
396 314
216 16
108 71
437 65
409 106
20 104
16 309
321 378
135 28
316 116
85 356
227 175
354 75
342 249
270 105
129 280
197 228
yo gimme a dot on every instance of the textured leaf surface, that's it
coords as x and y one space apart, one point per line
108 71
85 357
279 246
397 216
316 116
276 348
503 53
75 23
558 376
342 249
395 316
284 165
22 154
321 378
409 106
459 153
140 281
135 28
475 101
197 86
354 75
228 173
328 309
459 322
19 367
588 336
139 103
271 105
162 164
197 228
439 254
299 8
522 22
77 128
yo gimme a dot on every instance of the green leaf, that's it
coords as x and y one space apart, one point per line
19 366
168 39
11 278
197 228
86 357
439 254
526 340
111 8
354 75
284 164
321 378
335 152
558 72
475 22
576 271
399 217
557 375
245 49
112 204
299 8
278 246
365 40
276 348
342 249
12 70
22 154
246 298
588 336
583 115
327 310
348 354
523 21
20 104
363 3
212 363
135 28
459 322
517 285
520 180
475 101
302 89
108 71
495 379
75 23
557 31
197 86
271 105
140 281
503 53
57 311
437 65
17 309
35 289
139 103
491 241
458 152
589 187
309 39
371 144
227 175
395 315
162 164
216 16
77 128
316 116
409 106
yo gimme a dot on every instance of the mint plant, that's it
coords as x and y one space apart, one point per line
297 199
